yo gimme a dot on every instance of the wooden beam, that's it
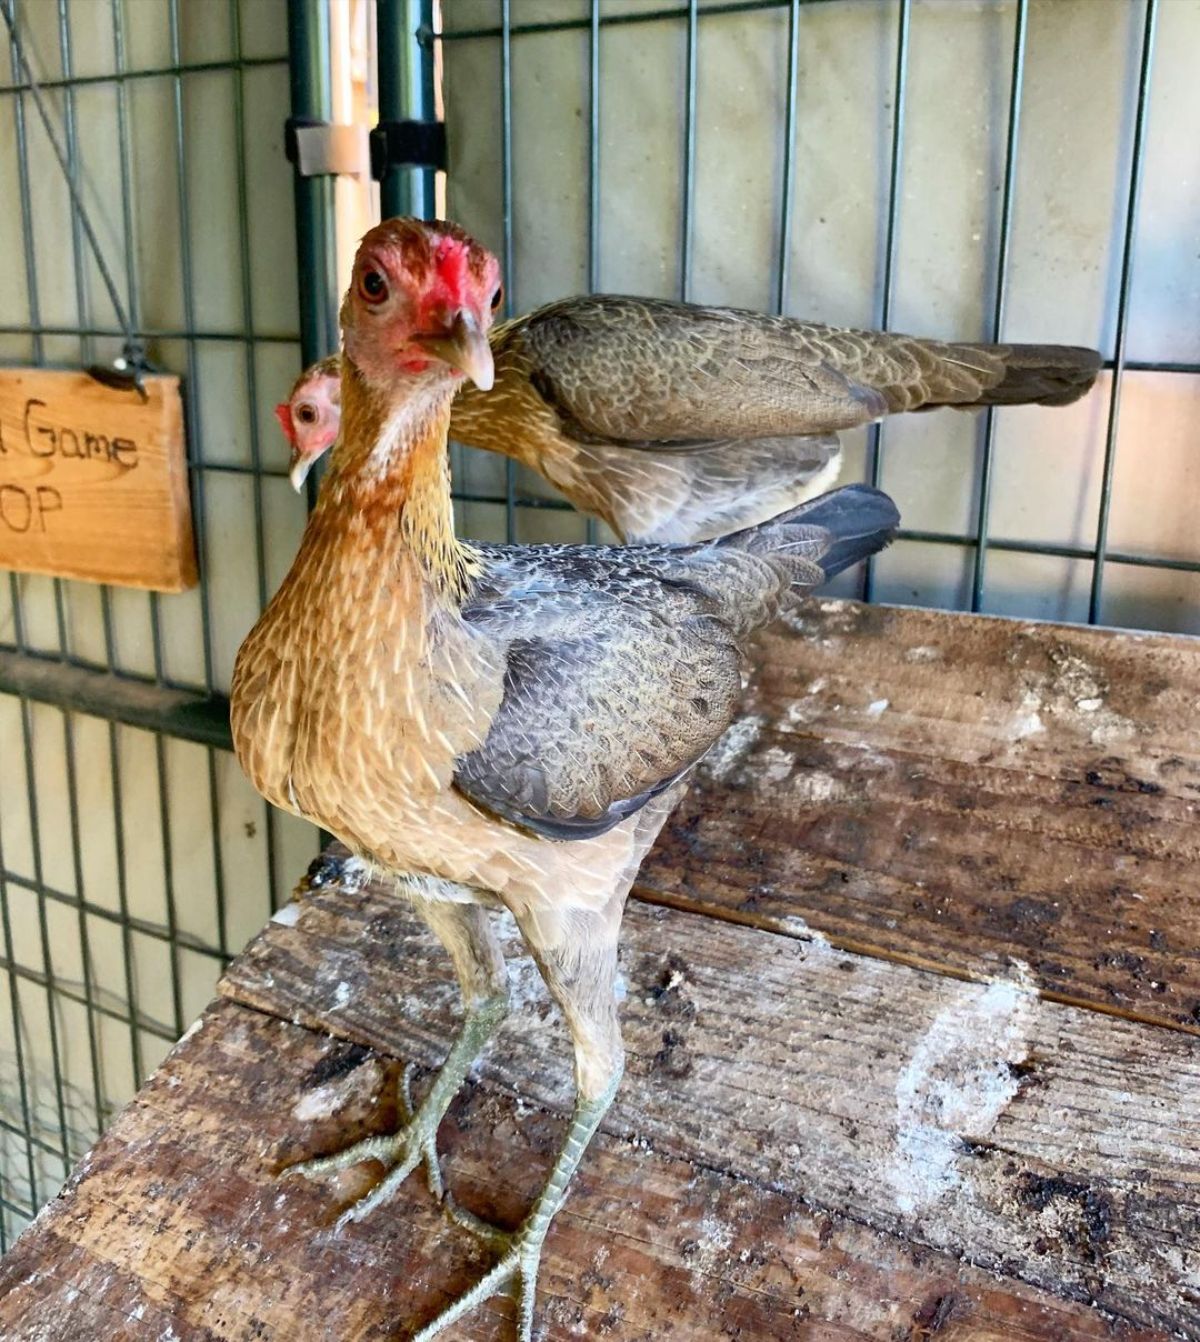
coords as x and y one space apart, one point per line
138 703
176 1226
1048 1144
950 791
811 1142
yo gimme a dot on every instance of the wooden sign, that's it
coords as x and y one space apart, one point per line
93 480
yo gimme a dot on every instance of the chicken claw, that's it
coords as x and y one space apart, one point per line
401 1152
494 1236
516 1272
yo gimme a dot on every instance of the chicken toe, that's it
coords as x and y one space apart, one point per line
516 1272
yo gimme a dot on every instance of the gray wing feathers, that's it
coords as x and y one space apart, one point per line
573 751
623 667
681 497
618 677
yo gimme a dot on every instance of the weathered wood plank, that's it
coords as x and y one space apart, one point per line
1047 1143
94 479
929 790
175 1227
953 790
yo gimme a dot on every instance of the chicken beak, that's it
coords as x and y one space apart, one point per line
464 347
301 465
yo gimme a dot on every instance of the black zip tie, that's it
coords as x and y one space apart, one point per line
407 144
128 371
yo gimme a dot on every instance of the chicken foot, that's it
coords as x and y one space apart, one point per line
479 963
577 956
516 1272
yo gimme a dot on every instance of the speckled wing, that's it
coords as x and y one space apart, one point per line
622 667
637 370
644 371
618 677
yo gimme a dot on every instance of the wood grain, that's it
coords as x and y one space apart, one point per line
952 790
1043 1142
176 1227
819 1137
94 481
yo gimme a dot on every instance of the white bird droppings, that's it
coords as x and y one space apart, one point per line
193 1029
924 653
323 1102
957 1083
818 786
777 764
733 747
712 1246
878 708
1027 721
818 943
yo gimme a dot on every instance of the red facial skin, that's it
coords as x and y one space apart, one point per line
310 421
429 279
415 288
283 413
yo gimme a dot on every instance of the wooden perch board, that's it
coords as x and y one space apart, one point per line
954 791
873 1092
176 1227
93 481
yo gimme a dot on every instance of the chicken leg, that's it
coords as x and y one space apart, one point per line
467 935
577 955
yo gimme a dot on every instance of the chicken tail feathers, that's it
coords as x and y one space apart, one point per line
1042 375
859 520
832 532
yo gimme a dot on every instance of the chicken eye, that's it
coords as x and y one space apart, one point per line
306 413
372 287
497 296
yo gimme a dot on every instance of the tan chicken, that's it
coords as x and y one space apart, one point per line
674 422
647 492
514 723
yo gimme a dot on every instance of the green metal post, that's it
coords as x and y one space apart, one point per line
405 44
312 99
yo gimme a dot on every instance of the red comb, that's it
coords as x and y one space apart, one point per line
450 261
283 413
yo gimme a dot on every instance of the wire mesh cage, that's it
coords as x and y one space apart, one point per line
1006 169
132 864
981 172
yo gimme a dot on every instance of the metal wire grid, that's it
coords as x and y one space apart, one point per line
56 1118
690 14
52 1117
